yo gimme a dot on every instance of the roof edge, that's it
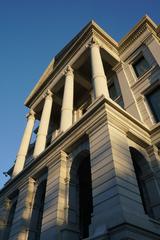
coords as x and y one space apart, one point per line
143 20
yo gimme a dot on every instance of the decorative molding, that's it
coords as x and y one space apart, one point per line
31 114
94 42
143 78
119 66
142 142
144 24
68 71
48 94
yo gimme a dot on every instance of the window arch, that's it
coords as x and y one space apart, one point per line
80 194
38 207
13 198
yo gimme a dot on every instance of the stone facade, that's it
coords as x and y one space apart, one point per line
93 171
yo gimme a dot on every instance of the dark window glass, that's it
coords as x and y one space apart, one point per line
37 212
141 167
140 66
85 197
154 102
12 208
112 91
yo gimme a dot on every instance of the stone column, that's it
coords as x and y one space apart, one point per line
67 105
98 74
43 125
20 160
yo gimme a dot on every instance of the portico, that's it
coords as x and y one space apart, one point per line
79 85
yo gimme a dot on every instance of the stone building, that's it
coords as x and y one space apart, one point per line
93 170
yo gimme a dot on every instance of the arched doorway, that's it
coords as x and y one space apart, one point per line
80 194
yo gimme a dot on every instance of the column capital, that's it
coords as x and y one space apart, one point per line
68 71
94 42
48 93
152 149
7 203
31 181
31 114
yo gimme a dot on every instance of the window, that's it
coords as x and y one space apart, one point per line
80 195
140 66
141 167
154 103
12 208
37 213
114 90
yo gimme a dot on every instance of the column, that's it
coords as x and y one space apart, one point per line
67 105
43 125
20 160
98 74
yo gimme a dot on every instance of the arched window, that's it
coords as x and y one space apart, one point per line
80 194
13 203
142 169
37 212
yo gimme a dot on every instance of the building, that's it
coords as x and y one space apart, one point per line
93 171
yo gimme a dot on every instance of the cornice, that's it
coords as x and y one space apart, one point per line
144 24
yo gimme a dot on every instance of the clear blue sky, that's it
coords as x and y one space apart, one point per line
32 33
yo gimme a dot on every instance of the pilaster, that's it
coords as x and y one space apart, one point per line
54 215
129 101
23 209
27 210
154 46
4 213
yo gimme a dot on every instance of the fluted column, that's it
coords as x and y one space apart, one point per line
67 105
20 160
98 74
43 125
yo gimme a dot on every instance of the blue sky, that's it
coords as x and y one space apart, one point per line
32 32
